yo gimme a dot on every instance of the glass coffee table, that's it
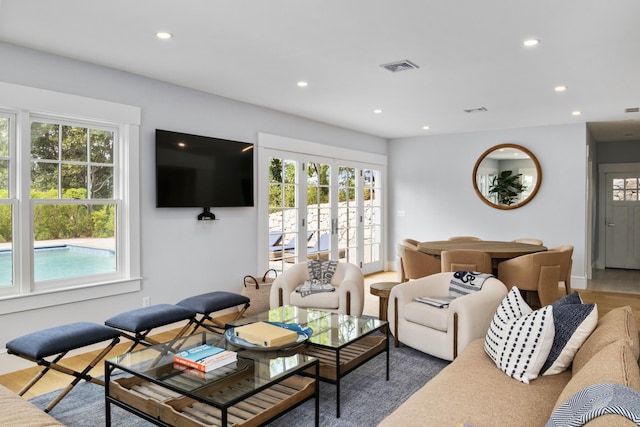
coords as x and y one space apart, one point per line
257 388
340 342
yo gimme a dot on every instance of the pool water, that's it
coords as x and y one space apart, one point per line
63 262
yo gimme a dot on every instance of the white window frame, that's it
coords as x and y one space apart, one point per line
25 102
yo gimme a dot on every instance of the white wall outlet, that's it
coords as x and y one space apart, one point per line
146 301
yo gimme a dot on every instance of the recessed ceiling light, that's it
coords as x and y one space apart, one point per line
302 84
560 88
377 111
426 127
531 42
164 35
576 113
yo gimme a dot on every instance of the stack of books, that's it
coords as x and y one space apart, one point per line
266 334
205 357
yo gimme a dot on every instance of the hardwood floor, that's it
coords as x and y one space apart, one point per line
598 292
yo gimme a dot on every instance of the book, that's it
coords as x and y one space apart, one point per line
440 302
212 374
265 334
205 357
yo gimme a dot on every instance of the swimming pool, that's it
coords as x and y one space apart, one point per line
63 262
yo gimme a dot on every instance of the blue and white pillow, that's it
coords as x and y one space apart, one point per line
573 323
519 340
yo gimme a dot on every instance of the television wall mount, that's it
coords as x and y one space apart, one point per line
206 215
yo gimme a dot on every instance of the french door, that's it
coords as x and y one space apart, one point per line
321 208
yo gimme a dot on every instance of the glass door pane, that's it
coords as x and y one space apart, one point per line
372 220
283 213
319 215
348 214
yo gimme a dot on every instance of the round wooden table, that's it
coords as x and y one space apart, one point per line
382 290
496 250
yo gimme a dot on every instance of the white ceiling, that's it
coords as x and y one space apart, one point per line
469 53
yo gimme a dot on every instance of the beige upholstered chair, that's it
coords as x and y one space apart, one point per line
464 239
528 241
415 264
565 274
348 298
463 260
441 332
538 273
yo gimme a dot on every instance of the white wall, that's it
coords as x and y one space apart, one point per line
430 181
181 257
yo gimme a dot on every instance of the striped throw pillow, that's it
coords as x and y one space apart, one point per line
519 340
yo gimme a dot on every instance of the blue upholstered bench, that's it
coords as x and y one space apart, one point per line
58 341
208 303
136 324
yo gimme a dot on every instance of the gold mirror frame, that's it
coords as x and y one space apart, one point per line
532 193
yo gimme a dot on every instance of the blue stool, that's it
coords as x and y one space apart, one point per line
208 303
58 341
136 324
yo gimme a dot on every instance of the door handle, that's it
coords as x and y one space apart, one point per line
610 224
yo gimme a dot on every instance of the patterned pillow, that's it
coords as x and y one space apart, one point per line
519 340
573 323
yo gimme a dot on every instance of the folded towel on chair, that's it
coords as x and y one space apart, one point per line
466 282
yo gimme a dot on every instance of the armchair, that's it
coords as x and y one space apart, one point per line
348 298
538 273
463 260
415 264
442 332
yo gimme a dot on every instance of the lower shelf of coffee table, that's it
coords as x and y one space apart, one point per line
351 356
176 410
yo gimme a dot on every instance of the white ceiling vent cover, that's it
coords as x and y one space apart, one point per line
632 110
476 110
403 65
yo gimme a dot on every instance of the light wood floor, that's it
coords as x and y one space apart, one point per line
53 380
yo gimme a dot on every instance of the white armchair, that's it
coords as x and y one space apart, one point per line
442 332
348 298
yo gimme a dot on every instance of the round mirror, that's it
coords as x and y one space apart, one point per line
507 176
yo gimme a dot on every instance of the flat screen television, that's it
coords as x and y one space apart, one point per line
201 171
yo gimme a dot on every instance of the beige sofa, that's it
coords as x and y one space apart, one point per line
18 412
473 391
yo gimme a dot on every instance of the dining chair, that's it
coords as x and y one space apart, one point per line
538 273
464 239
528 241
466 260
565 274
415 264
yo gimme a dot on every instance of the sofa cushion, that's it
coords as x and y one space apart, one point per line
573 323
472 390
520 346
17 411
426 315
616 363
328 300
618 324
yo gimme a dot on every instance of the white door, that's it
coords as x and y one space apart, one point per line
622 220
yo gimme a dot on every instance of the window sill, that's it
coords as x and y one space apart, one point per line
34 301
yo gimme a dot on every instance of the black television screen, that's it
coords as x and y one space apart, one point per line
200 171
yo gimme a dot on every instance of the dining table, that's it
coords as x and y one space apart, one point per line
497 250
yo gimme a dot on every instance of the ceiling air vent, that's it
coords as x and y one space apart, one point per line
476 110
403 65
632 110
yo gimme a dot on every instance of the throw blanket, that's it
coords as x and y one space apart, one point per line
320 274
466 282
596 400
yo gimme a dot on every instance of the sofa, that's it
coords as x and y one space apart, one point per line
18 412
472 391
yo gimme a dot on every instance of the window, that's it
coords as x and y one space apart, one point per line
625 189
68 198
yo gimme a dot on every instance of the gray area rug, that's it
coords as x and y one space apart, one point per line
367 398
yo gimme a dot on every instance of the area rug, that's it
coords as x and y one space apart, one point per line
366 397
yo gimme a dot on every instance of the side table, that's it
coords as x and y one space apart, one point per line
382 290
